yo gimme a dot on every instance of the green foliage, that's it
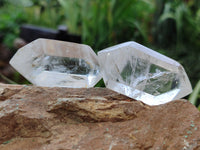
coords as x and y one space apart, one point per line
71 11
178 15
100 83
177 30
103 23
195 95
10 20
44 13
14 13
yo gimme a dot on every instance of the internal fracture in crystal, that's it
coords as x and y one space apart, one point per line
55 63
143 74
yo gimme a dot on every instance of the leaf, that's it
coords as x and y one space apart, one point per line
195 94
166 16
137 25
23 3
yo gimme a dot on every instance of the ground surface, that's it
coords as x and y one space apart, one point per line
36 118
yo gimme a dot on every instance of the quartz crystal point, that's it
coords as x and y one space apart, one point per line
54 63
143 74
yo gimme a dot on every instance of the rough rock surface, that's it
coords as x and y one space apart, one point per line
37 118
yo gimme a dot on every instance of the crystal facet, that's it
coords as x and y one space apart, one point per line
143 74
56 63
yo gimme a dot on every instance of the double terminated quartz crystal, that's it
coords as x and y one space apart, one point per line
143 74
128 68
56 63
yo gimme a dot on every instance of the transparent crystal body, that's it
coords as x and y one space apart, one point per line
143 74
54 63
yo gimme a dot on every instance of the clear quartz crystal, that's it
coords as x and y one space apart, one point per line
54 63
143 74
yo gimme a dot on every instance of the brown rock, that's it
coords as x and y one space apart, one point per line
37 118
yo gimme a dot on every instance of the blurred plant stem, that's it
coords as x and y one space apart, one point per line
195 94
7 79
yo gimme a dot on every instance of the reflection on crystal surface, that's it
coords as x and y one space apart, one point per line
63 71
61 64
160 81
55 63
143 74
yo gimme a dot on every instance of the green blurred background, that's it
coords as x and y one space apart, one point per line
171 27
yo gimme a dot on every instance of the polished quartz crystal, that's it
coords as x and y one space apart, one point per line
143 74
54 63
